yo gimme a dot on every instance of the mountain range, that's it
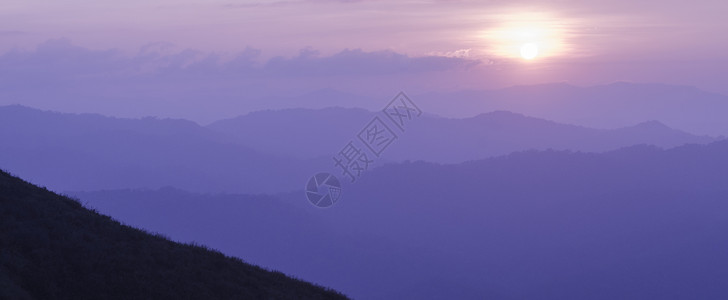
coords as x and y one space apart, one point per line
609 106
318 133
269 151
102 152
635 223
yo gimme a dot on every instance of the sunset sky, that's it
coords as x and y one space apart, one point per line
418 46
385 149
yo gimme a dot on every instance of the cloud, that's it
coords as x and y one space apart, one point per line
161 80
360 63
62 60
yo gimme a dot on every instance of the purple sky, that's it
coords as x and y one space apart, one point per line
294 47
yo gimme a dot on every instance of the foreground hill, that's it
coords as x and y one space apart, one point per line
53 248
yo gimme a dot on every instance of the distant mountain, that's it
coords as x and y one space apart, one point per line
313 133
267 151
110 153
612 106
53 248
317 99
274 234
302 133
634 223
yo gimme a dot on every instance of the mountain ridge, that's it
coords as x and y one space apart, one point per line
519 226
439 139
269 151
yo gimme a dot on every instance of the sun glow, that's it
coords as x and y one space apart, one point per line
526 36
529 51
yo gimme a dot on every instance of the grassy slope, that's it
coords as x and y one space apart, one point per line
53 248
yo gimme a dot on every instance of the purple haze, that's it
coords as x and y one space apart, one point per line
595 170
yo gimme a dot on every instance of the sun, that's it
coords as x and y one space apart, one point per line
529 36
529 51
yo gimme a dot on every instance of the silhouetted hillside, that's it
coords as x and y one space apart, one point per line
274 234
53 248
